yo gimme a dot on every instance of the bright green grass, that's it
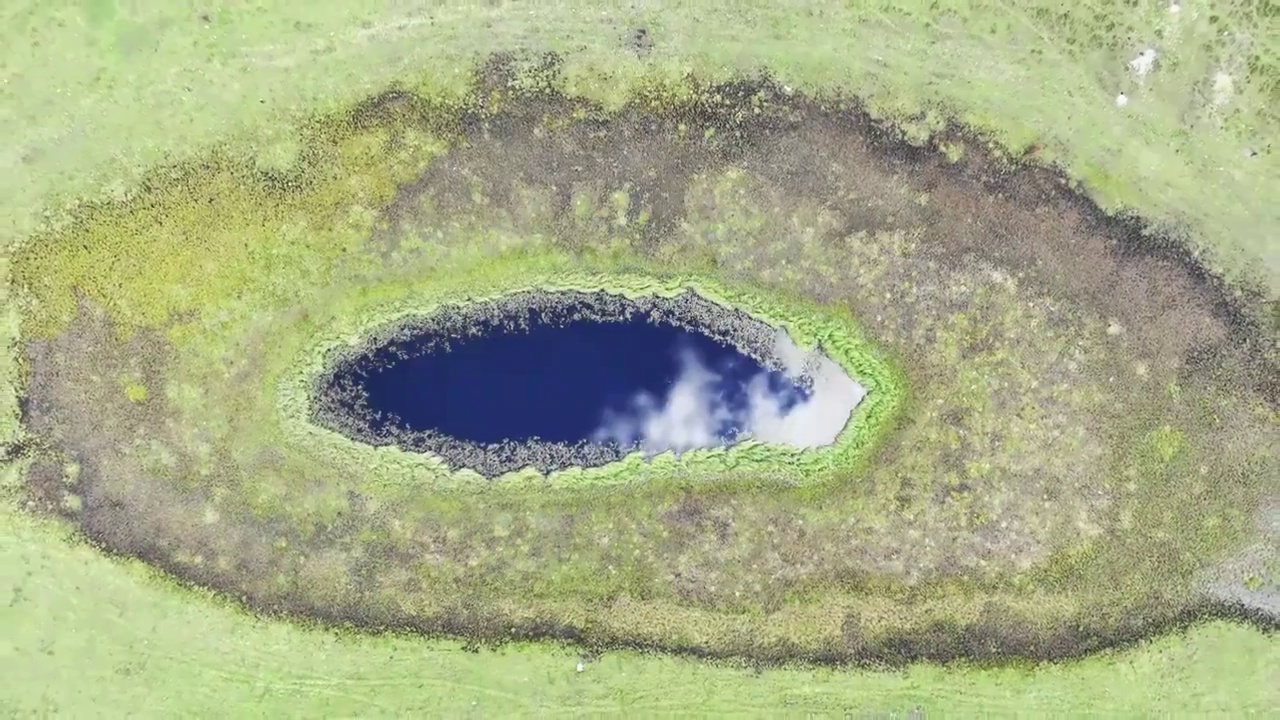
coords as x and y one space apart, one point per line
96 96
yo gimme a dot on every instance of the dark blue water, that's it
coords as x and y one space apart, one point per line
550 382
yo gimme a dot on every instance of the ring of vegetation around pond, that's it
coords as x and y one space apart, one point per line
1060 429
589 463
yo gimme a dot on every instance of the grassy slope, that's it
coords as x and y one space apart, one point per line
98 96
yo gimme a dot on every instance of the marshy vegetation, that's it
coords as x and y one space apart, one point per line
1064 422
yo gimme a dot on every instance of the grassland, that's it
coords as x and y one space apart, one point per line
735 195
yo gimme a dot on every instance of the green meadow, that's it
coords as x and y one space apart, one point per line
199 205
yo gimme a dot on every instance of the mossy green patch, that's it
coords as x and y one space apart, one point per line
1166 441
136 392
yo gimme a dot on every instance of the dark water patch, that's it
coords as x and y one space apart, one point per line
546 381
558 380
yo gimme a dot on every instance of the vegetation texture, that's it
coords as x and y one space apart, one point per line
1033 500
1083 411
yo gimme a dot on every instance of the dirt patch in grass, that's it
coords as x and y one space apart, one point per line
1090 412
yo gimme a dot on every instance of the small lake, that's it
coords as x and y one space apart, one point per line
584 383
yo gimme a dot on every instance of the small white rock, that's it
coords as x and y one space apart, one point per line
1174 7
1122 100
1142 64
1224 87
581 667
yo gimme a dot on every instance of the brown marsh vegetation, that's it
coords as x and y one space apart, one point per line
1090 416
